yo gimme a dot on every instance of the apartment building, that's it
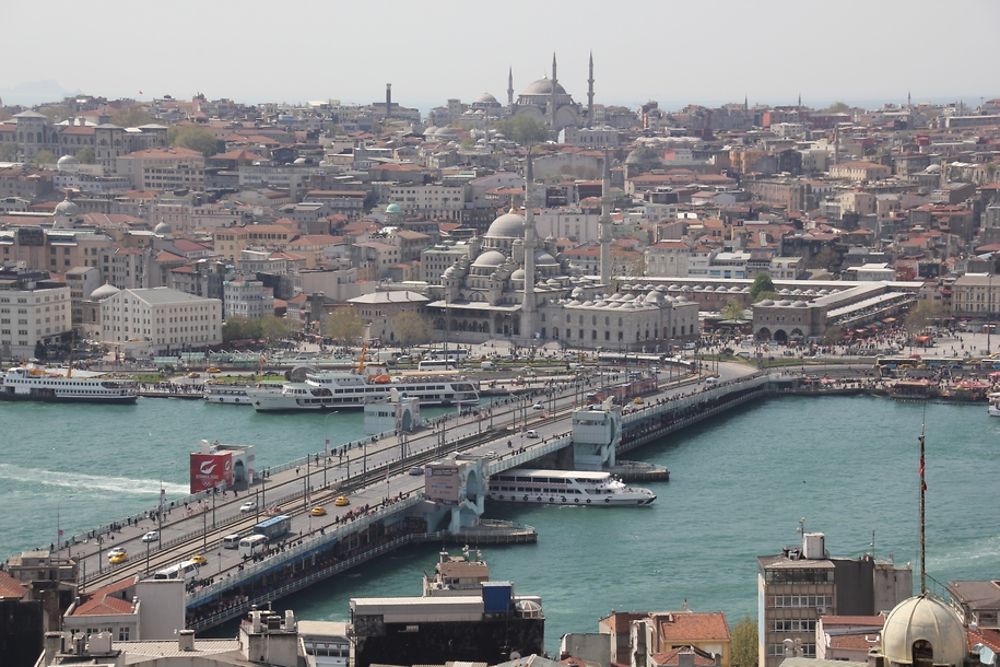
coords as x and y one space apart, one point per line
33 310
801 584
163 169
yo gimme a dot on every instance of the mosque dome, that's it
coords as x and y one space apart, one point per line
429 130
393 208
66 162
67 208
486 98
544 258
445 133
490 258
508 225
517 275
543 87
103 292
163 228
923 618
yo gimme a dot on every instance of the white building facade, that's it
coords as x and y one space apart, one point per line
156 320
31 313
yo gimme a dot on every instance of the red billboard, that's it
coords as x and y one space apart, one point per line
211 470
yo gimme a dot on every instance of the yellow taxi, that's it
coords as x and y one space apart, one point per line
213 369
117 556
198 559
318 511
342 501
638 400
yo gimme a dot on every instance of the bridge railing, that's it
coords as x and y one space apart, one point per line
309 543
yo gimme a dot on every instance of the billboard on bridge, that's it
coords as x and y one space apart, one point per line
211 470
443 483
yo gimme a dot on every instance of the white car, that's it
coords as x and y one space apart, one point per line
248 506
151 536
537 406
532 435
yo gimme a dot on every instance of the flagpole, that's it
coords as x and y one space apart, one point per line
923 543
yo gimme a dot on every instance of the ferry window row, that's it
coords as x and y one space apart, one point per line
779 601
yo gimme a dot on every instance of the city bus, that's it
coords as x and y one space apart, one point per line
186 570
252 545
436 365
275 527
454 354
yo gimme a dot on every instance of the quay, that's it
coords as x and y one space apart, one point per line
390 507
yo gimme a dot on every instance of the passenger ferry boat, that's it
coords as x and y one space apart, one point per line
228 394
26 383
337 390
565 487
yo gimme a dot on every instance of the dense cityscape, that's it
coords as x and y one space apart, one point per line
460 311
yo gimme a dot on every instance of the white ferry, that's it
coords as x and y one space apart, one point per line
24 383
338 390
565 487
228 394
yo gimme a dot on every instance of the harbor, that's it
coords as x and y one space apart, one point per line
315 425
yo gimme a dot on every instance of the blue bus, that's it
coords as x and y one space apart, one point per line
274 527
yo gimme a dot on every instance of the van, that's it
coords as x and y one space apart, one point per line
250 546
486 365
231 541
186 570
532 435
711 380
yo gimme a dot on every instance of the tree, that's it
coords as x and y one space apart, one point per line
762 285
344 326
194 138
743 643
838 107
8 152
133 116
44 157
86 155
240 328
732 311
523 129
411 328
922 315
273 328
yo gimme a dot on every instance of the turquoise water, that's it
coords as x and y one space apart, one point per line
738 489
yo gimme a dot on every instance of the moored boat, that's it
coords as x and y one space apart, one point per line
31 383
565 487
337 390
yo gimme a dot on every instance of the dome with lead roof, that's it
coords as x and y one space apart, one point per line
489 259
543 87
103 292
508 225
928 623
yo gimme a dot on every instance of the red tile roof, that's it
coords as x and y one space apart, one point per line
11 587
108 600
682 626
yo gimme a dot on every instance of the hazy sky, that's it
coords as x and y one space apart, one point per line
673 52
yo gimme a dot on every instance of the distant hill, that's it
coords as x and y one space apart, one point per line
31 93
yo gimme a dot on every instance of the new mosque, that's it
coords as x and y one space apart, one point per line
514 286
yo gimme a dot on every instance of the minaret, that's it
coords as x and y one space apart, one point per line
590 93
746 103
529 313
510 89
552 96
388 100
604 235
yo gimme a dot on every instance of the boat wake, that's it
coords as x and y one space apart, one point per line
88 482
